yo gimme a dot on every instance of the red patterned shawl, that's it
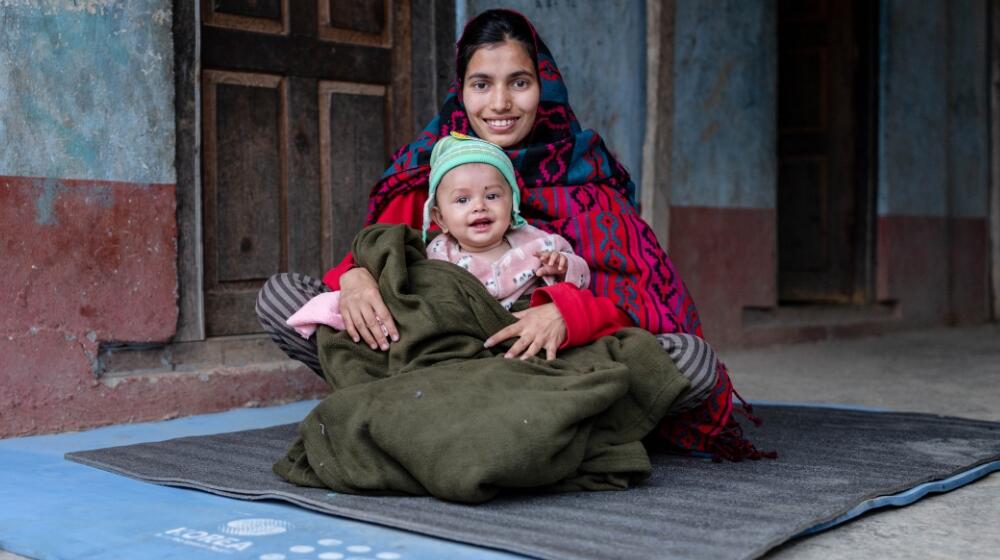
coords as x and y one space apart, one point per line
572 185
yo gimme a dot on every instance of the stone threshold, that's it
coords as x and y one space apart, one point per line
118 359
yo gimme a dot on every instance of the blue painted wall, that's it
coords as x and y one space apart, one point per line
725 96
913 99
600 48
933 143
87 90
969 109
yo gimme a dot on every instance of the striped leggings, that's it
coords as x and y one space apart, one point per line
284 293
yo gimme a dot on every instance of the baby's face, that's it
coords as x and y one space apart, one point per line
474 205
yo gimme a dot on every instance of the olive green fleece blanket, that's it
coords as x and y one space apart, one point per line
440 414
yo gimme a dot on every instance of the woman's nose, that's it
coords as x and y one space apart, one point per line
501 100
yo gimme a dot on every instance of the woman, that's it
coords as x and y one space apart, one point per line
509 91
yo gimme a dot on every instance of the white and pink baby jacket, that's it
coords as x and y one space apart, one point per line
507 279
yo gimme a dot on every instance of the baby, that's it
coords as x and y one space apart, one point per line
475 201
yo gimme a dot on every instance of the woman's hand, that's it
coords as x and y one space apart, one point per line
365 314
538 327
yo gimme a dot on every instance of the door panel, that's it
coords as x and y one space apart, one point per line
261 9
243 181
260 16
351 21
297 102
248 187
352 139
805 230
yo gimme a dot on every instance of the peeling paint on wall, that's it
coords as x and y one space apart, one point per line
50 190
913 130
45 204
87 89
725 102
969 109
933 136
49 7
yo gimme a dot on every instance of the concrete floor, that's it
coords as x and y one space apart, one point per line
946 371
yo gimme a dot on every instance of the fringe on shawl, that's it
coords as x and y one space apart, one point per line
711 427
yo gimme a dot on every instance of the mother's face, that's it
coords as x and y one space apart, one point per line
501 92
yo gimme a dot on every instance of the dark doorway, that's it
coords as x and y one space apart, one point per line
827 84
301 103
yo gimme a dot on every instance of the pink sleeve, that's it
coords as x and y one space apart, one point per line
577 270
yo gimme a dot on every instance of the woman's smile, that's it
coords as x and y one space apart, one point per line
500 125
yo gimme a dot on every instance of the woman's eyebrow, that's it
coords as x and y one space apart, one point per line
522 73
515 74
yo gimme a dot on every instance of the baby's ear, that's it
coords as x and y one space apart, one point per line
436 216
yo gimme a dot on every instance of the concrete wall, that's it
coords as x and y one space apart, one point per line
600 48
933 137
725 101
86 197
933 183
88 234
723 165
86 90
932 187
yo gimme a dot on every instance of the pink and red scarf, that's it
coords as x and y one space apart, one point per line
573 186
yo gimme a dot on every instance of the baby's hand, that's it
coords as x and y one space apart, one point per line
554 263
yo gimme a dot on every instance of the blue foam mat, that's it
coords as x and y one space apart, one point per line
59 509
907 497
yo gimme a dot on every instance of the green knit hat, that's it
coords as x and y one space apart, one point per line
458 149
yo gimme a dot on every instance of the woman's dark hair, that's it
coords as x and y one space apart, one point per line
492 27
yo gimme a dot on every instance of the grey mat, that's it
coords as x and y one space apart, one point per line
830 460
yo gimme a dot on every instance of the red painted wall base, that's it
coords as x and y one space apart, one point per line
937 269
727 258
933 271
92 261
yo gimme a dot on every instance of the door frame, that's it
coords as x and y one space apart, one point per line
654 192
187 160
866 157
993 39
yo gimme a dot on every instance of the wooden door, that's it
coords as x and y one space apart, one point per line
302 102
825 104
